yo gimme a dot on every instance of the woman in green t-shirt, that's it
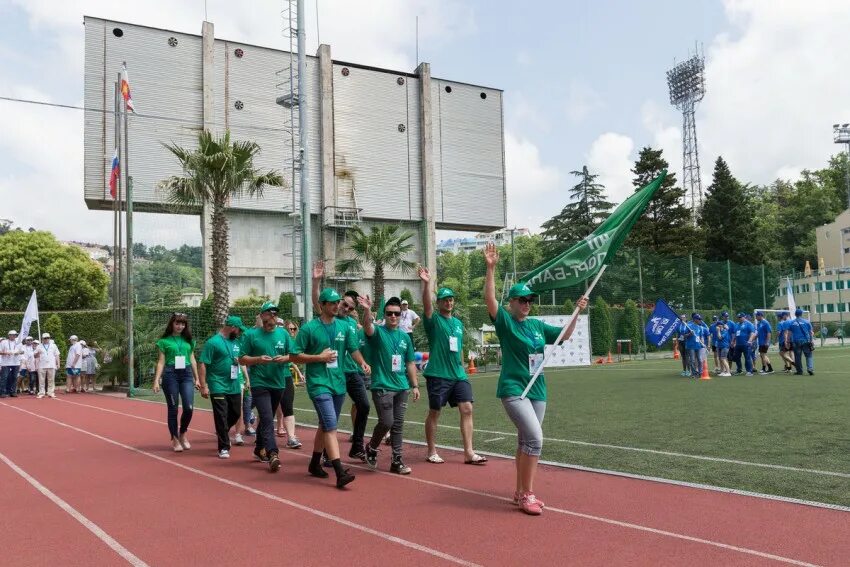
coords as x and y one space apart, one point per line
178 371
522 342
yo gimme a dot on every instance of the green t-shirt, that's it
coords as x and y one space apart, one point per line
258 342
445 335
349 365
175 345
518 341
385 344
315 337
220 355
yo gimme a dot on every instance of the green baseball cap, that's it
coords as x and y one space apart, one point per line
329 295
235 321
520 290
445 292
269 306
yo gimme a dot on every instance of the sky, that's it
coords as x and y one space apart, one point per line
584 84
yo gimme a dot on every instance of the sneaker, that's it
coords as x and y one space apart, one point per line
52 396
40 396
185 442
357 453
274 462
762 372
727 374
399 467
251 431
344 479
530 505
224 454
749 373
261 455
518 497
769 371
176 446
293 443
371 457
811 372
238 439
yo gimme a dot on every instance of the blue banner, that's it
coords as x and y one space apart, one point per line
661 324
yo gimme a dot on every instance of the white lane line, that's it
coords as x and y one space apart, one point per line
74 513
493 440
296 505
637 449
591 517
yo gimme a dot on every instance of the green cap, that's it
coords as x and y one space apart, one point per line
234 321
520 290
269 306
329 295
445 292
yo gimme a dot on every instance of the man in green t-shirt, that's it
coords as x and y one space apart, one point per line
355 378
221 378
393 377
267 351
321 345
445 376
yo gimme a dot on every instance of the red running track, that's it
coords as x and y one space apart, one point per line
110 460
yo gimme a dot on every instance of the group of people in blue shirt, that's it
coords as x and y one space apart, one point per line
745 342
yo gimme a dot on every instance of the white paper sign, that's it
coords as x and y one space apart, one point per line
574 352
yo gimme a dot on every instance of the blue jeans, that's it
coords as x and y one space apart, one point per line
247 407
267 400
800 349
328 407
8 380
743 350
178 385
697 357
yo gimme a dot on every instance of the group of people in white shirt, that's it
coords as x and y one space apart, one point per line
37 362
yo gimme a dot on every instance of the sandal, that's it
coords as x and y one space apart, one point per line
476 460
436 459
281 432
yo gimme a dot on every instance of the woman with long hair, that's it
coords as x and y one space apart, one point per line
285 415
177 370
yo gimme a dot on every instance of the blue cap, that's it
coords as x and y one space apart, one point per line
724 314
697 317
759 314
741 314
798 312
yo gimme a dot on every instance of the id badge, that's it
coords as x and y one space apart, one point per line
453 344
179 362
396 363
333 364
534 362
234 372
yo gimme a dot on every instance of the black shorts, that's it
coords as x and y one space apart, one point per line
441 390
782 347
713 348
763 348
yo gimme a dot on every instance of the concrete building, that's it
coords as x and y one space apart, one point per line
383 146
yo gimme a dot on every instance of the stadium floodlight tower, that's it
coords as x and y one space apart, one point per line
686 82
841 135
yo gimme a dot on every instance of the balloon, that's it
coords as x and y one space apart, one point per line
417 356
424 356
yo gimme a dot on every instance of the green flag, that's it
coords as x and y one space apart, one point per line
584 259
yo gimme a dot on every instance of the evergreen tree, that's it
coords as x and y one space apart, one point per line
579 218
630 325
666 227
601 330
726 219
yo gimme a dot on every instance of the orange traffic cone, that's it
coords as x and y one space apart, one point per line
471 369
705 375
676 351
610 360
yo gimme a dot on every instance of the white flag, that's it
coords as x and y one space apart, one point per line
30 315
789 290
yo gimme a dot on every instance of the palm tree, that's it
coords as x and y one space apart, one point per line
217 171
384 246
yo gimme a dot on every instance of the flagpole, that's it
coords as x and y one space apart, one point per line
115 276
120 275
563 332
129 265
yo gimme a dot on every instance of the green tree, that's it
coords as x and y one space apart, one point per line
53 325
666 227
569 306
63 275
253 299
285 302
406 294
217 171
630 327
383 247
454 272
726 219
601 330
580 217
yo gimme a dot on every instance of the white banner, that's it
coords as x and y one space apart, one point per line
30 315
574 352
789 291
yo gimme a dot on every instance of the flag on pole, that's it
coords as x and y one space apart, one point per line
125 89
661 324
789 291
584 259
30 315
116 173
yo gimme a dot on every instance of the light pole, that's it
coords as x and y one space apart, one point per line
841 135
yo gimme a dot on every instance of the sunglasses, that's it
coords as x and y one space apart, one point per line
525 300
392 313
176 314
293 328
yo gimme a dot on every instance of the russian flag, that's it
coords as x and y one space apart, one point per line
113 177
125 88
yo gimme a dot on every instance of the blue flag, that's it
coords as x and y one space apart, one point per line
661 324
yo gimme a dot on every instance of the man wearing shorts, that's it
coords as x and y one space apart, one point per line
785 351
73 365
722 340
712 334
321 345
445 376
764 332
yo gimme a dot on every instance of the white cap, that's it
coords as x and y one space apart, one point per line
404 302
72 338
83 343
45 335
12 332
28 339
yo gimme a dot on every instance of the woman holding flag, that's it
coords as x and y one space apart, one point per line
522 341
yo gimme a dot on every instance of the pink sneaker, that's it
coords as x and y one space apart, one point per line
518 497
530 505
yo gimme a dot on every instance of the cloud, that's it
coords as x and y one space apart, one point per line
582 100
610 156
664 126
532 186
